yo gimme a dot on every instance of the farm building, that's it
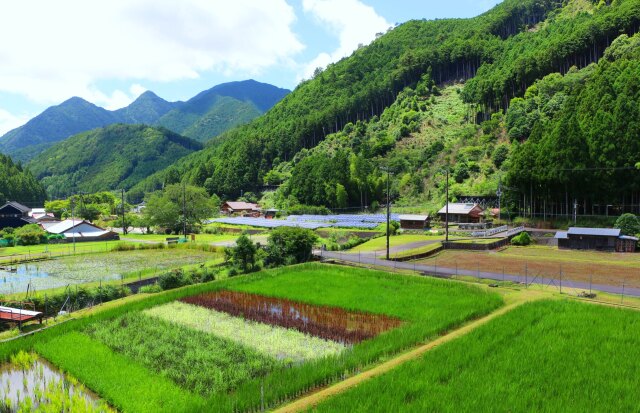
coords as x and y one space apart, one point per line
462 213
601 239
15 215
414 221
240 208
271 213
80 230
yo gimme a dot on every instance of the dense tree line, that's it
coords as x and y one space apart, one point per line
355 89
18 184
577 137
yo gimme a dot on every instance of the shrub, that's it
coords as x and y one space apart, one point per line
290 246
629 224
523 239
174 279
150 289
309 209
30 234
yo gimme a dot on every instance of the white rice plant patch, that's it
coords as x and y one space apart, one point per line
287 345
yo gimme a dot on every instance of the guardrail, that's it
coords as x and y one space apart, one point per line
515 231
490 232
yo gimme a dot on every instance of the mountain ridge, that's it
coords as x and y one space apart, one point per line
76 115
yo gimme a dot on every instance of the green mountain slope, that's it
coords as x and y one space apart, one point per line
206 115
221 108
114 157
18 184
379 107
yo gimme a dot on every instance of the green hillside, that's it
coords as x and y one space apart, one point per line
221 108
18 184
434 94
110 158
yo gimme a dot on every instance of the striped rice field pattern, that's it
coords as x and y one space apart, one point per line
331 323
286 345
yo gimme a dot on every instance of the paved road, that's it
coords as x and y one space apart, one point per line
445 272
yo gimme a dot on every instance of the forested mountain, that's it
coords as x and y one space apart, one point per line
390 104
54 124
206 115
114 157
222 107
18 184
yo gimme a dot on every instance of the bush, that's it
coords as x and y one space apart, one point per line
290 246
30 234
628 224
523 239
309 209
150 289
174 279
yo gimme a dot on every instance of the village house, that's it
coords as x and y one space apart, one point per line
462 213
15 215
80 230
600 239
240 208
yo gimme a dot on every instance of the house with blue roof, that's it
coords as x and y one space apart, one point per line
599 239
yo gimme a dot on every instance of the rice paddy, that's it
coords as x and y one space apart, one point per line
165 354
550 356
60 272
283 344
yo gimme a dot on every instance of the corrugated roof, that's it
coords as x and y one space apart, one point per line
628 237
68 224
597 232
561 235
414 217
458 208
237 205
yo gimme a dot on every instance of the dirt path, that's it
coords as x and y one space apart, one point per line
313 399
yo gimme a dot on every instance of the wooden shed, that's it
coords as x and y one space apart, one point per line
418 222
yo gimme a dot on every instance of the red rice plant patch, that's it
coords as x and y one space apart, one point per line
331 323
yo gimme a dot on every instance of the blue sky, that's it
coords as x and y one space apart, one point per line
111 52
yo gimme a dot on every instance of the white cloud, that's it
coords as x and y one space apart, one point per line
353 22
10 121
52 50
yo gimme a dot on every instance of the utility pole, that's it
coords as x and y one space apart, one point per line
388 209
73 223
575 211
124 225
499 194
388 171
446 211
184 209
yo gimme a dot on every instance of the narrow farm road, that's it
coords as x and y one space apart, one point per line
439 271
313 399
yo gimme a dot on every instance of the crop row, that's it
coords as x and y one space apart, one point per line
280 343
197 361
547 356
331 323
137 384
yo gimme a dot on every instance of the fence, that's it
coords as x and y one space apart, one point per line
598 285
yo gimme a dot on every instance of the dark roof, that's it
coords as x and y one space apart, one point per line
597 232
17 206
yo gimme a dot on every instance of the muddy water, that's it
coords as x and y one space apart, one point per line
41 383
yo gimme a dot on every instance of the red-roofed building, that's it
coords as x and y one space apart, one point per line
240 208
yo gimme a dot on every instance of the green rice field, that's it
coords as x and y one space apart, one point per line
551 356
145 356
